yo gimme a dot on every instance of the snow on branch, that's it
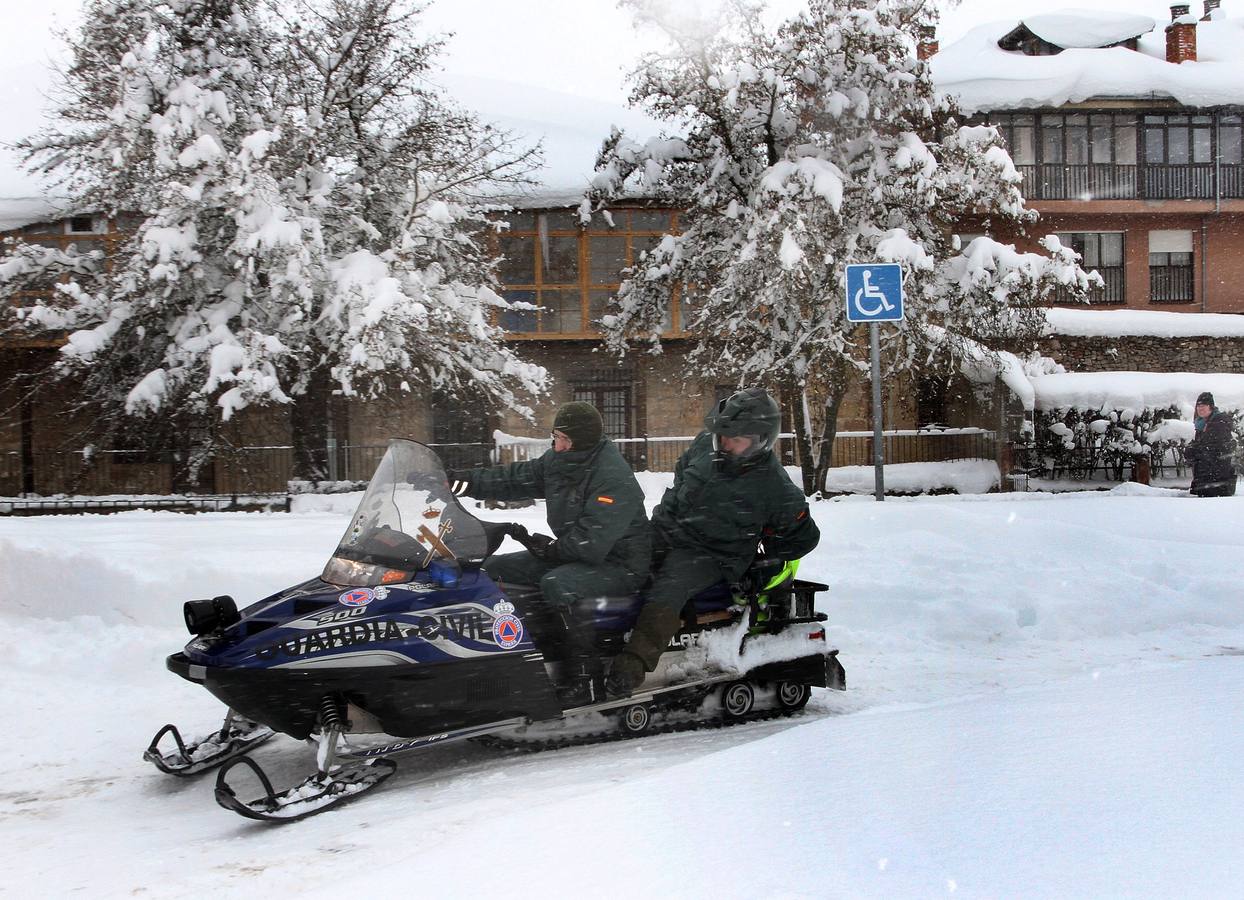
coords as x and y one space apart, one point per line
796 149
307 209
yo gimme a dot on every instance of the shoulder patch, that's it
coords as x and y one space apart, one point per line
608 501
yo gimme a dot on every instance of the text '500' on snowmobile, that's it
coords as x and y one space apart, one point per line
405 636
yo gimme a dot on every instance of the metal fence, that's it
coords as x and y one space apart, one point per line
851 448
856 448
267 471
239 471
1170 284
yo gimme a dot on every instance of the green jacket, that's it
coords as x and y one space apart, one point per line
728 509
595 506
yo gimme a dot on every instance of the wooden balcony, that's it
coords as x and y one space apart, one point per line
1059 181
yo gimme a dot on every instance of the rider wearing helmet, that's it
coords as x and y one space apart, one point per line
730 492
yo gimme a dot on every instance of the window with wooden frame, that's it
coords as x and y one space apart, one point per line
81 233
1231 155
570 273
1179 140
80 225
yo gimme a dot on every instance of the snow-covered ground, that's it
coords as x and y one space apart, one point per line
1044 701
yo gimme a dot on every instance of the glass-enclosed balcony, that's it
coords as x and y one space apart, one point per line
1126 156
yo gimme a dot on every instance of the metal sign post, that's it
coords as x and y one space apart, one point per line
875 294
874 342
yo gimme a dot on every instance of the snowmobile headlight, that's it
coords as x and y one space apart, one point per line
348 572
206 616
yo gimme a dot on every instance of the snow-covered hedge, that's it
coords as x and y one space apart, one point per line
1079 442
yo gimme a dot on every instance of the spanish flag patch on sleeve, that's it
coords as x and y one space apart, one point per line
608 501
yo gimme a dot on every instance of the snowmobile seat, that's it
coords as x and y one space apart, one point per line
617 613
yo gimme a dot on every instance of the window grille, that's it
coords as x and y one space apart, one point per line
1101 252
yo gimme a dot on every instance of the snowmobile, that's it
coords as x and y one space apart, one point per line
406 638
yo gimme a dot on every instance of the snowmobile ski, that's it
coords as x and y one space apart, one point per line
234 738
313 795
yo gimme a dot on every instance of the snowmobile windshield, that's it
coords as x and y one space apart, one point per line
407 518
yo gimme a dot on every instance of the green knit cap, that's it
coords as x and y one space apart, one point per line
581 423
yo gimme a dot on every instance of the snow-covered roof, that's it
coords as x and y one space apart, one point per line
17 212
1081 28
1142 323
983 76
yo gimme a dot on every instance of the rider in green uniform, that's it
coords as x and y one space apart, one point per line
601 545
730 493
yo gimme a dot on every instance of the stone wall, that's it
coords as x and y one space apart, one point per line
1146 354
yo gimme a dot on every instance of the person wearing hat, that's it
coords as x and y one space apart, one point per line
600 545
730 494
1212 450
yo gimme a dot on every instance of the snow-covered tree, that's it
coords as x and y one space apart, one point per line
798 149
310 215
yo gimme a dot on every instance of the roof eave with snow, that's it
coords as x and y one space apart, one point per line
982 76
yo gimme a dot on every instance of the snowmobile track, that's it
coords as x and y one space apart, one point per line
621 734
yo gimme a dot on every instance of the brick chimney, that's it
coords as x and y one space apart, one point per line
926 41
1181 35
1211 7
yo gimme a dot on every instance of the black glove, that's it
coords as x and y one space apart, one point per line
516 531
459 481
428 481
541 546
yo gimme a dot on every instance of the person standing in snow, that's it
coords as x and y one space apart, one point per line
1211 451
600 547
730 493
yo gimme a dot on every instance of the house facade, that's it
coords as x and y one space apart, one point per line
547 259
1129 136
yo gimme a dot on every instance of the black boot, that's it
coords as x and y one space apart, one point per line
582 683
649 638
626 674
582 675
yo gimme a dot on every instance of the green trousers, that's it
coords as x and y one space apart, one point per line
566 585
680 574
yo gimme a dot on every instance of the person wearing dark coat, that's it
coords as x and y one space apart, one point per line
730 492
1212 450
600 545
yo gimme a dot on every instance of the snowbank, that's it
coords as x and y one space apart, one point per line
1076 28
964 476
17 212
1032 669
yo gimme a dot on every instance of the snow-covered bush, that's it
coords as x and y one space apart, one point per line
1082 443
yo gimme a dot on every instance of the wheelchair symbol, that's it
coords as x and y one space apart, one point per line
870 292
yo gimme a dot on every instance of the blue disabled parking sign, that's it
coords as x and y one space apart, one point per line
875 292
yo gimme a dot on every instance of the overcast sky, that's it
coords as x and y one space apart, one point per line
578 47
